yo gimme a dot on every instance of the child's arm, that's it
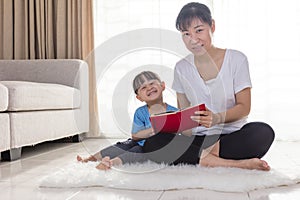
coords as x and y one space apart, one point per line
143 134
187 132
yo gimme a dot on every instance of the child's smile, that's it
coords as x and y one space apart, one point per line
152 92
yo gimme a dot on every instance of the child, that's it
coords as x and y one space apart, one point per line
148 88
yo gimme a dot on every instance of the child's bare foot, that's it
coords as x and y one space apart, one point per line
105 164
90 158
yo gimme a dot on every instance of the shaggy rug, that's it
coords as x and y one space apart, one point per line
152 176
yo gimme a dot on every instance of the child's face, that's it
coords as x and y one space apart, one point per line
150 91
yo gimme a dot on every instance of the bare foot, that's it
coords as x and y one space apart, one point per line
105 164
211 160
91 158
255 163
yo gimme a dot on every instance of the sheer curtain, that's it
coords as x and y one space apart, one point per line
268 32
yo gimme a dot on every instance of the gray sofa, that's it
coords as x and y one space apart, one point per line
41 100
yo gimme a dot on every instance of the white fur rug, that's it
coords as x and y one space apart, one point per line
152 176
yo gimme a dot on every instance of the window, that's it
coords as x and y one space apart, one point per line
266 31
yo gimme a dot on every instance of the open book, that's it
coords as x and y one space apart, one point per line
175 121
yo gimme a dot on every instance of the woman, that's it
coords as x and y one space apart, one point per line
220 79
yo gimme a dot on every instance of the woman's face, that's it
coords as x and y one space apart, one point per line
198 37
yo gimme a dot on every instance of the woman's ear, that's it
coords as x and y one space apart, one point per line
213 26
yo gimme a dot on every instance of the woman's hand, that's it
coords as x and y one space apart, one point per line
207 118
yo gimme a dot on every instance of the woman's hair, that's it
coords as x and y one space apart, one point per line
142 77
192 11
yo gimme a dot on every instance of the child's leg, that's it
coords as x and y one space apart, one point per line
106 163
133 155
96 157
118 148
110 151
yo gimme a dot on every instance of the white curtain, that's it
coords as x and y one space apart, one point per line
268 32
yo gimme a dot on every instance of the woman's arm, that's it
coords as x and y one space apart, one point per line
242 107
182 101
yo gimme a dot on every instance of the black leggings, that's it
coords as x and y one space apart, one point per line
128 151
253 140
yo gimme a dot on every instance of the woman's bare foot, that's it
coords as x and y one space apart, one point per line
211 160
90 158
255 163
105 164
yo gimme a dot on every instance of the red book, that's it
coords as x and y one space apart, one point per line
176 121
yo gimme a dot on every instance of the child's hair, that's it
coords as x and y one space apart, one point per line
140 79
192 11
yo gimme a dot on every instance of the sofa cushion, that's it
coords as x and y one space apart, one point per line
30 128
25 96
3 98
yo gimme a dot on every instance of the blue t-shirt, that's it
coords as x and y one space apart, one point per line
141 120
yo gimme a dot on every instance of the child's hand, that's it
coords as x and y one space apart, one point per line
151 133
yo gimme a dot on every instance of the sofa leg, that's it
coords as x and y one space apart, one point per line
77 138
12 154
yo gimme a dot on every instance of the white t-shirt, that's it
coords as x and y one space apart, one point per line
217 94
